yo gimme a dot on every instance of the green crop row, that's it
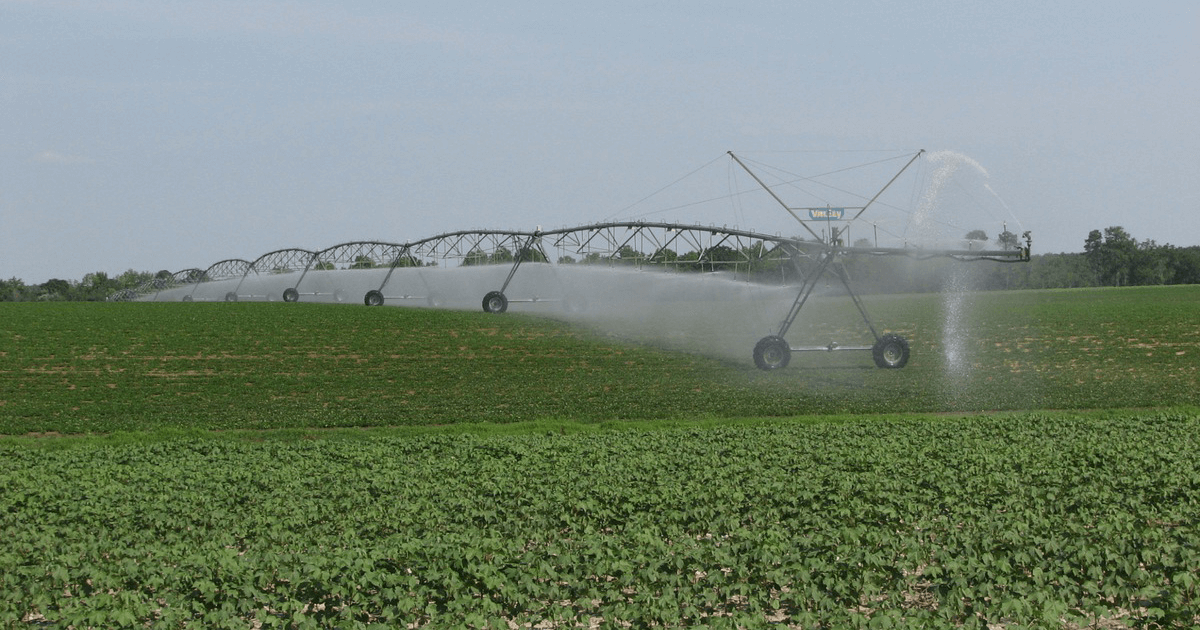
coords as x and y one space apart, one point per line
99 368
1033 520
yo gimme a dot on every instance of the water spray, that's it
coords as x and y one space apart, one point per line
516 267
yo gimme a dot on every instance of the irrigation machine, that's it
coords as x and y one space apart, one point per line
801 261
890 350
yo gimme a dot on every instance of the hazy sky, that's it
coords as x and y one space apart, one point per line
164 134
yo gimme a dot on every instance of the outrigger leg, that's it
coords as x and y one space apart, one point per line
773 352
375 297
496 301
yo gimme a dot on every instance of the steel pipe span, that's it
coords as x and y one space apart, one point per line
639 243
413 272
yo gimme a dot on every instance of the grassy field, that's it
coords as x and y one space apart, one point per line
99 368
247 465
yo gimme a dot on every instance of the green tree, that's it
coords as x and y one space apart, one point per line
533 254
1111 255
501 255
1008 240
722 257
664 255
1151 264
629 256
475 257
13 290
95 286
409 260
1185 264
56 289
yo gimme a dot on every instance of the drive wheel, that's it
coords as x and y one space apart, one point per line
187 298
772 353
373 298
495 302
231 297
290 294
891 351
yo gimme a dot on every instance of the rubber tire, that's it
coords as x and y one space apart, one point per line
373 298
435 301
891 352
340 296
291 295
772 353
495 302
187 298
231 297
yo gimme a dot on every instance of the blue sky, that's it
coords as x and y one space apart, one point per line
164 134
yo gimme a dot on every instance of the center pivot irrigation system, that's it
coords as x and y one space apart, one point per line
889 350
641 244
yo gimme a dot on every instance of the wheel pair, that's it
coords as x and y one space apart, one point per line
290 294
772 353
373 298
891 351
495 302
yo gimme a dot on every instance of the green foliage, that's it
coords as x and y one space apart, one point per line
1008 240
1111 255
1030 520
1110 258
96 286
1116 259
1018 520
406 260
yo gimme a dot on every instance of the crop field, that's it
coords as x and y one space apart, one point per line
269 465
1022 520
88 368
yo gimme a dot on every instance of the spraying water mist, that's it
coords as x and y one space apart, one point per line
957 187
710 289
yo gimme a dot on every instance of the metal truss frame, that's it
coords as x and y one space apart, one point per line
889 350
280 261
640 245
221 270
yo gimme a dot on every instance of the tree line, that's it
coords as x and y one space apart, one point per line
93 287
1110 257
